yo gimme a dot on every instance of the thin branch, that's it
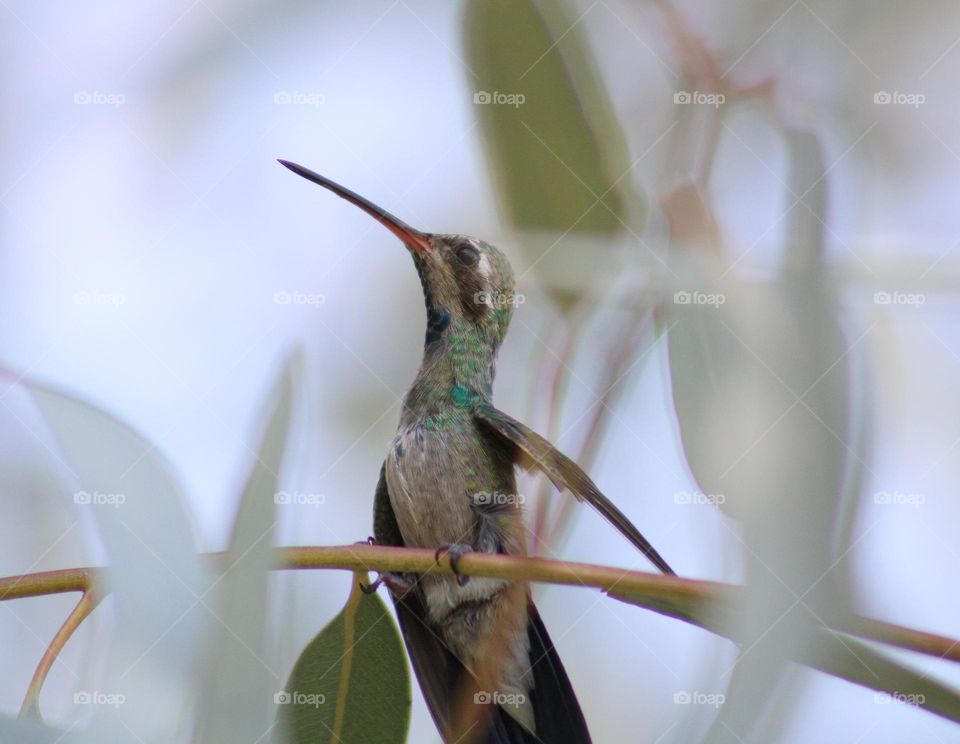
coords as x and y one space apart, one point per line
39 584
685 599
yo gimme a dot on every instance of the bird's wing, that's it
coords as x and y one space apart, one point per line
556 711
537 452
441 674
437 670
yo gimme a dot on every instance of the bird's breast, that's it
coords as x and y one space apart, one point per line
431 476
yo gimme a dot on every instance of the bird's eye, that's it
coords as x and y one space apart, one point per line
468 255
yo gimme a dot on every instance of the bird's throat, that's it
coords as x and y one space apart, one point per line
456 372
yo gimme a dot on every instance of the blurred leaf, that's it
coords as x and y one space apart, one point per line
803 257
736 365
851 659
351 683
236 699
836 653
24 731
556 156
761 392
804 250
759 385
156 575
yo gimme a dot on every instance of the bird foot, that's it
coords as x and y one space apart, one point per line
398 585
456 551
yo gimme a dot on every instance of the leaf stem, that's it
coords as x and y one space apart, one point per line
349 645
87 604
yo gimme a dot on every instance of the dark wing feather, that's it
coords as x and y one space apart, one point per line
438 671
557 713
566 475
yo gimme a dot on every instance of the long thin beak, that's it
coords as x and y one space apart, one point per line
412 238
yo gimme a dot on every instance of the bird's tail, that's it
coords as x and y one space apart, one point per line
557 714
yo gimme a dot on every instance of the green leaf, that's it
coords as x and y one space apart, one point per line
351 683
555 148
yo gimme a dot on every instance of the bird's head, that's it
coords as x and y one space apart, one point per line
468 284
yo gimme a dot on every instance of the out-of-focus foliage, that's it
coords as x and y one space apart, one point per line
240 683
155 582
555 159
761 393
836 653
554 147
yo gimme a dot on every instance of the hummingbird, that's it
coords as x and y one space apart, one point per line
449 483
